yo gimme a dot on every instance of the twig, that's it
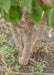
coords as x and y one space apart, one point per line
34 61
4 62
19 26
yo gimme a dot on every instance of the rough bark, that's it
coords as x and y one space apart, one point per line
17 38
28 36
19 26
26 51
24 59
28 46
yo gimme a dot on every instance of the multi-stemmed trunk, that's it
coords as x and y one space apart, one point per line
26 50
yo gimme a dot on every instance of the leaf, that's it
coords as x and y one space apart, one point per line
11 71
36 14
46 9
2 12
17 67
5 4
15 3
6 15
27 4
51 17
15 13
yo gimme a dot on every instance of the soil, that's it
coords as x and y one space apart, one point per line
46 44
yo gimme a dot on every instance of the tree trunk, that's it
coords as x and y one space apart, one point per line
27 49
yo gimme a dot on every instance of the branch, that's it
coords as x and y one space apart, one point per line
3 20
4 62
39 35
16 37
36 63
19 27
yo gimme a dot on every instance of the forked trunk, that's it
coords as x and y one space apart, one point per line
29 46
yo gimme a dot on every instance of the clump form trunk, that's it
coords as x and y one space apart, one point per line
29 46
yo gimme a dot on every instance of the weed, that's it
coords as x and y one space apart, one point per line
8 53
32 68
7 70
45 48
38 68
17 67
2 38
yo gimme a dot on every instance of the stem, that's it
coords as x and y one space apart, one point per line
26 51
16 37
39 35
19 27
24 59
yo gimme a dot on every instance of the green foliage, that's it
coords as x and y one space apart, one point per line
4 68
49 11
38 68
11 70
36 14
5 4
17 67
2 38
8 53
46 9
1 11
15 3
32 68
15 13
45 48
7 70
11 10
51 17
27 5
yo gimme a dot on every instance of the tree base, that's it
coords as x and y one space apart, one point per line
23 61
